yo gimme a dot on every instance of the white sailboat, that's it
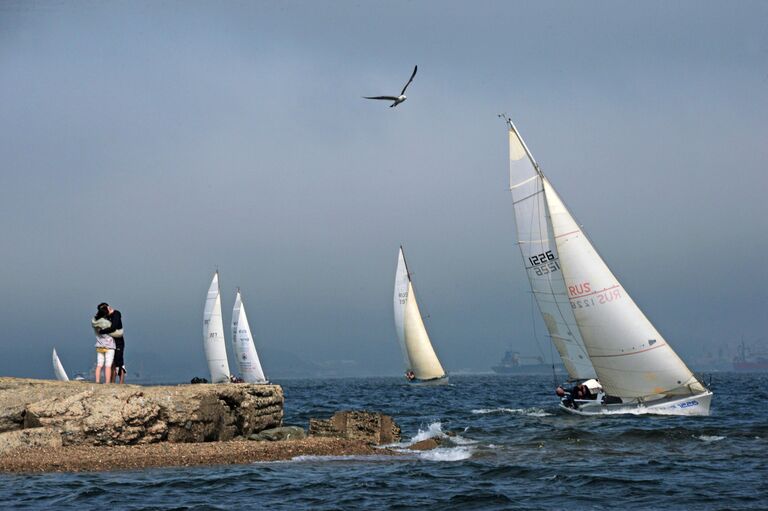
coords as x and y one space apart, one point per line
58 368
214 343
245 350
421 362
595 325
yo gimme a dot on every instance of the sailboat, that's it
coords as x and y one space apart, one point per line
602 336
214 343
58 368
245 350
421 363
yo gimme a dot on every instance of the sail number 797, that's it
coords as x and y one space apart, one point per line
544 263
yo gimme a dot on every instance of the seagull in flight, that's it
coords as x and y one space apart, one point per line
397 99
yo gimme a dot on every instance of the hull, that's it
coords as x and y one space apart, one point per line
428 383
688 405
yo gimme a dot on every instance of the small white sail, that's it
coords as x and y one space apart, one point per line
58 369
630 356
541 259
214 343
401 294
418 352
245 350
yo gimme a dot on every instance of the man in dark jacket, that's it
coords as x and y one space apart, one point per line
118 364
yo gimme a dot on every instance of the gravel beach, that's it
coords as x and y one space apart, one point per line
130 457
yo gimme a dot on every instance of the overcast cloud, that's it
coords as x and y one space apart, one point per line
145 144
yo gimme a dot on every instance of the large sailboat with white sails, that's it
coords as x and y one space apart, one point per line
421 362
245 350
214 343
605 341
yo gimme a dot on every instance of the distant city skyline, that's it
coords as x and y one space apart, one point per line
145 145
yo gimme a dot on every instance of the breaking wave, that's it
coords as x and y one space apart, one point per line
710 438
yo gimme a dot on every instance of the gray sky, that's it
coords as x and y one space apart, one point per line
145 144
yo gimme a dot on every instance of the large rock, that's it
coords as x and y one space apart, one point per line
372 427
277 434
86 413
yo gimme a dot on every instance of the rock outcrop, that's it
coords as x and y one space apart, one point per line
279 434
84 413
371 427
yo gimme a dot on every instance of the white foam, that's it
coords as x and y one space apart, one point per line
530 412
434 430
460 440
447 454
710 438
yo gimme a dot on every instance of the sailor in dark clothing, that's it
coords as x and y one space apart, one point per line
565 396
116 331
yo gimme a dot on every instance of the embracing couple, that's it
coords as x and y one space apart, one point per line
110 345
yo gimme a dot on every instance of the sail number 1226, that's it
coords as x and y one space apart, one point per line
544 263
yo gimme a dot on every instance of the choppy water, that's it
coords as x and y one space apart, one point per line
514 450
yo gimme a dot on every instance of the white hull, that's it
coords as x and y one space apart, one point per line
429 383
688 405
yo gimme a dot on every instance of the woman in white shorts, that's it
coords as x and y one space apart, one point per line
105 346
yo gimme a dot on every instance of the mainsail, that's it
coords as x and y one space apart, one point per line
245 350
213 334
417 349
58 369
630 357
541 258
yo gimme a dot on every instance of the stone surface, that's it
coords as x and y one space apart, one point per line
84 413
371 427
77 458
38 438
426 445
277 434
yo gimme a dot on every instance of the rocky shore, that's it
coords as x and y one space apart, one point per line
83 413
80 426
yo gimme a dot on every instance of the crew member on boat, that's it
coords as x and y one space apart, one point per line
579 392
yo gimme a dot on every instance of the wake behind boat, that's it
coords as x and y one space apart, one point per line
602 336
421 362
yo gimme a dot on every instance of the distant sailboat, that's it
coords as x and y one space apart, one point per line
245 350
596 327
421 363
213 334
58 369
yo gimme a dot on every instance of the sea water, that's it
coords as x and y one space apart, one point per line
509 448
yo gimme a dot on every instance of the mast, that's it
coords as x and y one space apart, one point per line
522 142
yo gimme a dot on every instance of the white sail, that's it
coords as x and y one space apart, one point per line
418 352
401 294
630 356
245 350
541 259
58 369
214 343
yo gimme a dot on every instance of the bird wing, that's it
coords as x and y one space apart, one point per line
415 68
389 98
